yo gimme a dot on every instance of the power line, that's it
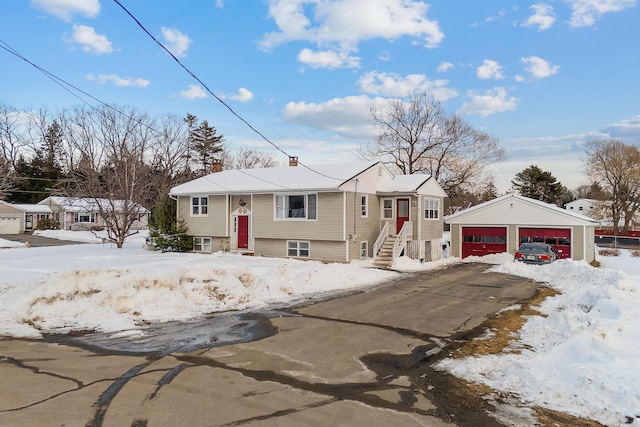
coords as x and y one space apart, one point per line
163 47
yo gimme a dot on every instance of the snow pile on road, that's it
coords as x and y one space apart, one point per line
4 243
100 287
582 356
90 236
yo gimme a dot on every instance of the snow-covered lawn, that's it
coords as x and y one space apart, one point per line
581 357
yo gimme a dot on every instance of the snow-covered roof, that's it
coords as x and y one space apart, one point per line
286 178
85 204
404 183
28 207
534 203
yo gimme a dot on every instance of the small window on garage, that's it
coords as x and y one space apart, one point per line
477 239
467 239
501 240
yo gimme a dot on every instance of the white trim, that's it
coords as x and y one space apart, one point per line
424 209
285 200
366 244
344 220
200 205
364 196
298 248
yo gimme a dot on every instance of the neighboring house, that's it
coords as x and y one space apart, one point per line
502 224
601 211
78 213
17 218
334 212
584 206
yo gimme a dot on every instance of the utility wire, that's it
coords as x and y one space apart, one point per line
159 43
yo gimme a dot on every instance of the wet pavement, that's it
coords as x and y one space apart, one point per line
360 360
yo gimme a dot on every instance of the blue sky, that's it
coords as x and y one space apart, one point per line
543 77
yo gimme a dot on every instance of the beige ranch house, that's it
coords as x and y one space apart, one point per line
338 212
83 213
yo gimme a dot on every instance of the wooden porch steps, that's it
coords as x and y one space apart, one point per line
384 257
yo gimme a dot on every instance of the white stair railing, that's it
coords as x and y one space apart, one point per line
381 238
401 240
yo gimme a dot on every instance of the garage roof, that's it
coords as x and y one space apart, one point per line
517 210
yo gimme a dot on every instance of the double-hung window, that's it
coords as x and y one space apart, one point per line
298 248
431 209
364 205
387 208
199 206
84 217
202 244
296 206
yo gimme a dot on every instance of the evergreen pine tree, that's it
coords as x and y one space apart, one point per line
168 234
206 145
537 184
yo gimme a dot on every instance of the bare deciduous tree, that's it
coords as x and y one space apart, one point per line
417 136
109 156
248 158
616 168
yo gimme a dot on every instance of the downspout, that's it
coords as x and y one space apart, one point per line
344 225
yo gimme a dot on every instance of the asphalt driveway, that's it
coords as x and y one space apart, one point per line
37 241
359 360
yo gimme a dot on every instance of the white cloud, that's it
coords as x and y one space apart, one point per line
90 40
444 66
65 9
118 81
586 12
341 25
543 17
194 92
385 55
349 117
219 4
328 59
627 131
176 42
490 70
243 95
492 101
391 84
538 68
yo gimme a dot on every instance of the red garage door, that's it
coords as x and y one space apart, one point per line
480 241
559 238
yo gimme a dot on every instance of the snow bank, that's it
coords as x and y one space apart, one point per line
582 356
9 244
87 287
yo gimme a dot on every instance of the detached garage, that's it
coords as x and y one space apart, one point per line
502 224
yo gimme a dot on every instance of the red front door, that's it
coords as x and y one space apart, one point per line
243 232
402 213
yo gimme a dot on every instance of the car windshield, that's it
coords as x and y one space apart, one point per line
533 247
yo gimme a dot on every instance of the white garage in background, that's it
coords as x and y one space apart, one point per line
16 218
502 224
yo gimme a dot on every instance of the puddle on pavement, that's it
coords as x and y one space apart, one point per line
178 337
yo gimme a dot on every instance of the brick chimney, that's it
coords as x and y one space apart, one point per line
216 166
293 160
